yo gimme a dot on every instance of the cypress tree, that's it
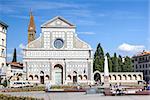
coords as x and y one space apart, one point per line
120 63
98 63
127 66
115 63
109 62
14 56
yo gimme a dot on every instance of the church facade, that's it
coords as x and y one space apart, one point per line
58 56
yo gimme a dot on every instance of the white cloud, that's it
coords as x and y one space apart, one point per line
86 33
22 46
129 48
21 53
9 55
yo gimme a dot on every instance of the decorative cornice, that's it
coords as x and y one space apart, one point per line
55 18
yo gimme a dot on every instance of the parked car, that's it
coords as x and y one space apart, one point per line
19 84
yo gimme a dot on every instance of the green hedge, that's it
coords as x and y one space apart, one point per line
62 87
8 97
25 89
36 88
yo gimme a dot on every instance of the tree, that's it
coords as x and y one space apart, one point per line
127 65
115 63
109 62
120 63
98 63
14 56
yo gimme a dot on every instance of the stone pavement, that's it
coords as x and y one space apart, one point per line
76 96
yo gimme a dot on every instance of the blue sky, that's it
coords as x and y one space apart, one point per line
120 26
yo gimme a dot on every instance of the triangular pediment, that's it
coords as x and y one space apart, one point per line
57 22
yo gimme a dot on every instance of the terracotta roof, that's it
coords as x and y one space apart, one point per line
17 64
144 53
31 26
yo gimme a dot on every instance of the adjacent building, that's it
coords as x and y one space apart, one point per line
141 63
3 35
15 71
3 47
58 55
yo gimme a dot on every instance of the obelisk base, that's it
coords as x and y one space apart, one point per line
107 92
106 82
107 86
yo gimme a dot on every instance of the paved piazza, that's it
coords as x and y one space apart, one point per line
76 96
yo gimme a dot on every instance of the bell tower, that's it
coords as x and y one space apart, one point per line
31 29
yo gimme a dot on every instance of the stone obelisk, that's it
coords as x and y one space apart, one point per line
106 73
107 91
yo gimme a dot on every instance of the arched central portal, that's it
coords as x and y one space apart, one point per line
58 69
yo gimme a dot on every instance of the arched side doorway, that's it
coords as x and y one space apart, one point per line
74 77
42 77
58 69
97 76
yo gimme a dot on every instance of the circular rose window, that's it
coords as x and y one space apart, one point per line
58 43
